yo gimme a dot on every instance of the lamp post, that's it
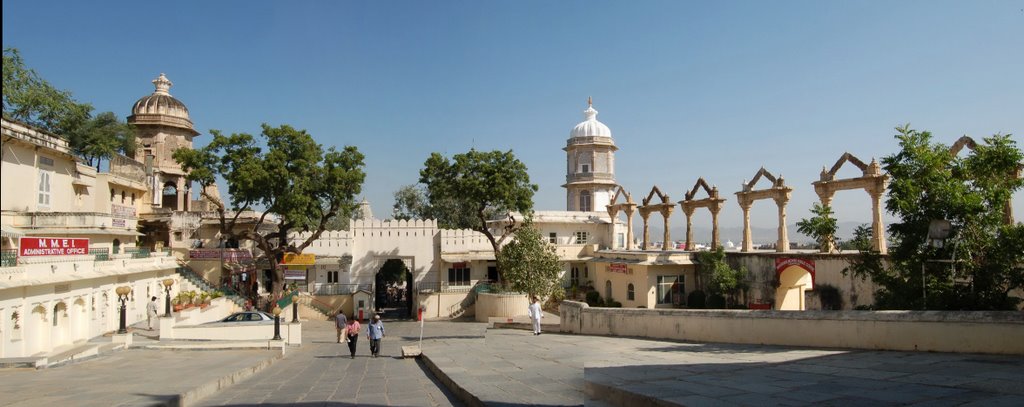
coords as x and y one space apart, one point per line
938 231
295 306
122 294
167 299
277 323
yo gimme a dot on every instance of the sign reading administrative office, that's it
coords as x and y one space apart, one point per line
52 246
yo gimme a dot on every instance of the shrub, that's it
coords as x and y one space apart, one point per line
696 299
594 299
716 301
830 297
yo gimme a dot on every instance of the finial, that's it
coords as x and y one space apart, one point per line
590 101
163 85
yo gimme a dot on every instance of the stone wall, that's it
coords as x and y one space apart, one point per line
999 332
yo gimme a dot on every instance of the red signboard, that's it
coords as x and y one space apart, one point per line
52 246
619 268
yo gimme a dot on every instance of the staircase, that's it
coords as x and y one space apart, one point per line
200 284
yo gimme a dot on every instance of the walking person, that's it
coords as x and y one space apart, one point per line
535 315
340 324
375 332
151 311
352 332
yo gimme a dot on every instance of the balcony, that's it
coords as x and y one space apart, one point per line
71 222
599 177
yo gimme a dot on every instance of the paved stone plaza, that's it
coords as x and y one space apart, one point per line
513 367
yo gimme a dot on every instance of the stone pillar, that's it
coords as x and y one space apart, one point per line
666 213
877 228
182 193
629 228
689 227
714 226
647 232
783 244
748 245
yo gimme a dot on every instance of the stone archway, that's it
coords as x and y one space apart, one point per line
79 321
794 277
37 332
60 334
872 181
664 208
628 208
778 192
712 202
393 296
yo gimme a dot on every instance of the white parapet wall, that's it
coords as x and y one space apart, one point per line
997 332
192 324
501 305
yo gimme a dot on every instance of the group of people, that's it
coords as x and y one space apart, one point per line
348 331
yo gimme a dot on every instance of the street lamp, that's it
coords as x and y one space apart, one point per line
167 299
295 306
122 294
277 323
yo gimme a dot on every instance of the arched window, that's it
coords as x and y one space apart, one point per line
585 201
630 293
117 246
608 290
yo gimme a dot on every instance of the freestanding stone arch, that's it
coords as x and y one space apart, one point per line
665 208
873 182
967 141
628 207
712 202
778 192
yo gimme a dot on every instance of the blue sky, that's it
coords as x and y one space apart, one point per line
689 89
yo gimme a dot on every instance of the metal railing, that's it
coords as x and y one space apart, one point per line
9 258
100 253
340 289
137 252
446 287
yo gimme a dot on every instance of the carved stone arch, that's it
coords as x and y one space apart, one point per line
843 159
873 181
712 202
778 192
628 208
963 141
664 208
701 183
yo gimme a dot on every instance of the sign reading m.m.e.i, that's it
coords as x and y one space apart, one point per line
52 246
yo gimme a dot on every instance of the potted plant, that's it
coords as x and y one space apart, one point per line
203 300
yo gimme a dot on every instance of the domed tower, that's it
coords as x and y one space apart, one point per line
590 160
162 126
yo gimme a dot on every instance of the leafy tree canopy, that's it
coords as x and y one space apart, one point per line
530 264
294 179
30 99
411 203
475 187
981 261
394 271
720 277
821 227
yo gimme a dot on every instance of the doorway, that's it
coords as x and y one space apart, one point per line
393 288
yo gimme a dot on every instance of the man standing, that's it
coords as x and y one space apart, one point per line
535 315
340 322
375 333
151 310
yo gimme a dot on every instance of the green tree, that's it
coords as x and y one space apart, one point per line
721 279
30 99
411 203
981 261
475 187
530 264
394 271
298 185
821 227
101 137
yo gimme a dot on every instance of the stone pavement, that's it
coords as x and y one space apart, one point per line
321 372
514 367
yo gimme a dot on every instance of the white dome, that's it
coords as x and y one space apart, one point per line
590 127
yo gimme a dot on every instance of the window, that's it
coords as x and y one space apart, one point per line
574 277
177 236
44 188
582 237
608 290
122 196
133 198
458 275
585 168
585 201
492 273
553 238
630 292
620 240
332 276
670 290
112 195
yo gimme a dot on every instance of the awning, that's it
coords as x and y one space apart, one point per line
80 231
10 231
